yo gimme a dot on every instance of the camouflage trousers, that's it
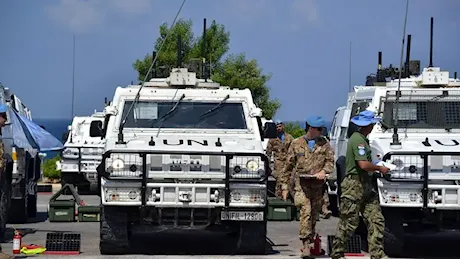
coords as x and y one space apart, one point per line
308 201
352 203
278 174
325 202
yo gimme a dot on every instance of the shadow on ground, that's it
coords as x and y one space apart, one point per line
434 246
39 218
189 243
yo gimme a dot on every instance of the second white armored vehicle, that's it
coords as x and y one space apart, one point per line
419 132
83 151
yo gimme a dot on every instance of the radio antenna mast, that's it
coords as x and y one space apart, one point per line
73 87
396 144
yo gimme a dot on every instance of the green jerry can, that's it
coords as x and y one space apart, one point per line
279 210
89 213
63 210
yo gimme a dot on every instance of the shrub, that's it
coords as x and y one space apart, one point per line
294 129
49 168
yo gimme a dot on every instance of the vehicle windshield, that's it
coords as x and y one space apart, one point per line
434 113
188 114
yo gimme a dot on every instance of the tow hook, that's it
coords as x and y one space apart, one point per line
185 196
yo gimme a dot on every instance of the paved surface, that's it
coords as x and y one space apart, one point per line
206 245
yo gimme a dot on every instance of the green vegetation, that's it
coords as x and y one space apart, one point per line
236 71
294 129
49 168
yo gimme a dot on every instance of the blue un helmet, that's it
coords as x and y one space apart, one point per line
315 121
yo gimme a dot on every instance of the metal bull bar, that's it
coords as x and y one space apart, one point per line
228 156
425 173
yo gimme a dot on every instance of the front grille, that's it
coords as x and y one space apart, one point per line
183 217
411 166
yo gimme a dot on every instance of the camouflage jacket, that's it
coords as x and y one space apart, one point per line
279 149
302 160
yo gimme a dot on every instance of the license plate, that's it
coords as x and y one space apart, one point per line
242 215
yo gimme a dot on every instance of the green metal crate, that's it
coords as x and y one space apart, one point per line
279 210
89 213
62 211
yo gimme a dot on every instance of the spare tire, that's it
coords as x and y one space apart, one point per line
394 233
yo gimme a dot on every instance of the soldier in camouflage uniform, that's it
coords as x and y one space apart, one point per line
279 147
357 195
3 119
310 158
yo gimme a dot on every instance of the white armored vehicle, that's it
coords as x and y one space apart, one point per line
425 186
83 152
183 152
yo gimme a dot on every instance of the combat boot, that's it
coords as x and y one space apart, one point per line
5 256
305 250
326 214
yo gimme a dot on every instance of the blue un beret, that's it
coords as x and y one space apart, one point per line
316 121
3 108
277 121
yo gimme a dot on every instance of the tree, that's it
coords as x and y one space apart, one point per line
238 72
49 168
217 44
294 129
235 71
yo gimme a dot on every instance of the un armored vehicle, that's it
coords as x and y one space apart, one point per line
183 152
423 191
82 152
18 184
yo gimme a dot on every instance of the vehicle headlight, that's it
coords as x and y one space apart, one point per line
247 196
118 164
122 194
247 167
67 151
252 165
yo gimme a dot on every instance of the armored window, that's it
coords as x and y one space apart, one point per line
188 114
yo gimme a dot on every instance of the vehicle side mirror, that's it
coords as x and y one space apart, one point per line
95 129
65 135
270 130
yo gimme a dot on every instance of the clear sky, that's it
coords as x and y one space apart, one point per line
304 43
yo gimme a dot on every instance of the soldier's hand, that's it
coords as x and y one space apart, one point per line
321 175
284 194
383 169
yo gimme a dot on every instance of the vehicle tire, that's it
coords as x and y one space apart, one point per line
252 238
394 234
114 236
5 197
19 212
340 171
32 206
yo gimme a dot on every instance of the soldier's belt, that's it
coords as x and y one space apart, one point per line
310 176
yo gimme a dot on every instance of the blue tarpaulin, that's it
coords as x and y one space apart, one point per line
27 134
